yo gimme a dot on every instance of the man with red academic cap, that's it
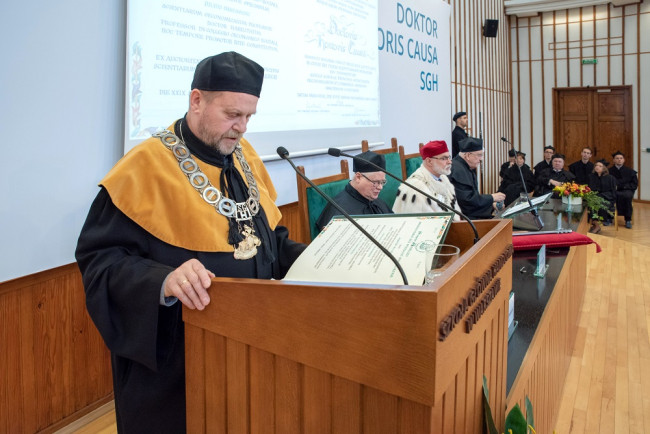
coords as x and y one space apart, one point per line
430 177
189 203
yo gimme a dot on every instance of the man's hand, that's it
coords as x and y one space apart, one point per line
554 182
188 283
498 197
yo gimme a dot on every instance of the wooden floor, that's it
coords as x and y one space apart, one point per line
608 383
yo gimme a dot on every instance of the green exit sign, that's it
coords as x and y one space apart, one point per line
589 61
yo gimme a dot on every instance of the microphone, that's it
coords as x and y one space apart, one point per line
537 220
335 152
284 154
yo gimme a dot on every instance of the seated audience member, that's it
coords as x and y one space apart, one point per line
545 163
511 185
508 164
463 176
551 178
361 194
626 184
430 177
583 167
604 184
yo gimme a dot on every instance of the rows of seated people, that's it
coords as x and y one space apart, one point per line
453 182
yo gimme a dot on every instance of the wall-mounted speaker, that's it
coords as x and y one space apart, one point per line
490 28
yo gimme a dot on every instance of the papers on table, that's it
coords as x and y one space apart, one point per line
342 254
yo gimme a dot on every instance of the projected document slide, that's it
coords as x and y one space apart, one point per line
320 59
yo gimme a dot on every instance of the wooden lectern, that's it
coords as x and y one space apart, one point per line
282 357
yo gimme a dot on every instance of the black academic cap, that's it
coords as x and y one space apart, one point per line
521 154
603 162
359 165
512 153
549 147
230 72
617 153
470 144
459 114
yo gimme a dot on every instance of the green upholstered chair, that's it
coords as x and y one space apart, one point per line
393 165
311 204
410 162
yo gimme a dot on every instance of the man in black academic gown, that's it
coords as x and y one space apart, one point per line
512 154
458 133
463 175
583 167
361 194
626 184
548 179
183 206
511 184
545 163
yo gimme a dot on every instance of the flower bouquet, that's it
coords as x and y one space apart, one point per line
572 193
575 194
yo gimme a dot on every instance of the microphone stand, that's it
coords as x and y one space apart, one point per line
284 154
537 220
335 152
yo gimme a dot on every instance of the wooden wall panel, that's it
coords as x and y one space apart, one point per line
480 80
551 348
55 365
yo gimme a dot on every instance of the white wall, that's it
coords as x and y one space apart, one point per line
61 105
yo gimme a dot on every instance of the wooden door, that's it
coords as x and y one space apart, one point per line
599 117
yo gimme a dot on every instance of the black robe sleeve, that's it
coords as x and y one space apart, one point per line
123 284
471 202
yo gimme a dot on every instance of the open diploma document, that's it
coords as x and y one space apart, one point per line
342 254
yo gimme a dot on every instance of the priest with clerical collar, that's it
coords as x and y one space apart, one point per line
361 194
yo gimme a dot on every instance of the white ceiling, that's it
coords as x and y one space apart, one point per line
525 8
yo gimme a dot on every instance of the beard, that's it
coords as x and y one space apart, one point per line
225 143
446 171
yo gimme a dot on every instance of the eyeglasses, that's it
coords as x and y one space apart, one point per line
377 184
447 158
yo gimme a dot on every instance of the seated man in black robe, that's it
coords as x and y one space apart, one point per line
512 154
361 194
463 175
548 179
583 167
545 163
511 185
626 184
188 204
